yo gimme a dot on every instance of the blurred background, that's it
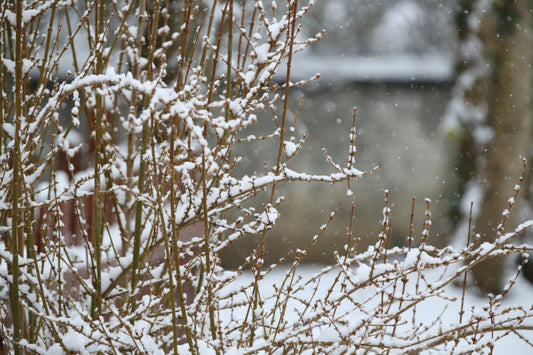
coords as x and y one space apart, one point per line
443 94
422 75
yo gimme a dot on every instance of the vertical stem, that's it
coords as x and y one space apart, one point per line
292 10
293 7
144 142
175 235
183 47
2 98
179 282
96 301
132 135
138 216
15 234
175 232
461 312
203 60
205 189
230 53
142 167
168 251
170 280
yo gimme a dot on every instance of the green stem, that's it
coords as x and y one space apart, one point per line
168 250
175 236
139 205
96 301
15 235
230 53
138 216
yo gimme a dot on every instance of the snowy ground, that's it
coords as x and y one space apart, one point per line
426 312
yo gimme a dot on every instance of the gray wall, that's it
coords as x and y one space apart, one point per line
398 127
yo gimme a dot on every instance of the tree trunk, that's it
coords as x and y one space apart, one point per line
507 36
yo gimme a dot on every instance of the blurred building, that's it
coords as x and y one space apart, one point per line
393 61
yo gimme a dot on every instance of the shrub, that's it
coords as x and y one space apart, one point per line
118 193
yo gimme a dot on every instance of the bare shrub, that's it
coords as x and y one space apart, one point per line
118 193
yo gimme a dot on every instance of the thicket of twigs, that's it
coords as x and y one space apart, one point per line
117 194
